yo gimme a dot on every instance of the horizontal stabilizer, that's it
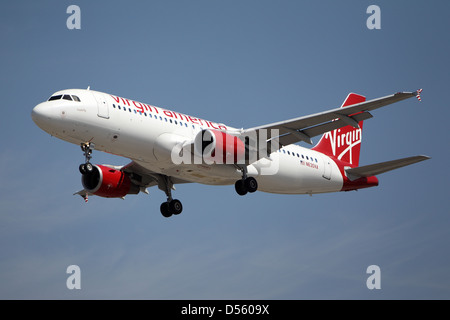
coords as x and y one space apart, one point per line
379 168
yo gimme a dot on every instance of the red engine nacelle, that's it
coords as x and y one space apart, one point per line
107 182
219 147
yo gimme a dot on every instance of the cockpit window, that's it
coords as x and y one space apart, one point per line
65 97
55 98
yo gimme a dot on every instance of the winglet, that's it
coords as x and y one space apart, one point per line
418 92
84 194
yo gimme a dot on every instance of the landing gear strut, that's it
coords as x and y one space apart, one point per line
246 184
86 167
171 206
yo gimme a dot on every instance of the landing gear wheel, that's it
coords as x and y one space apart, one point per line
240 187
171 207
88 166
175 207
243 186
251 184
165 210
82 168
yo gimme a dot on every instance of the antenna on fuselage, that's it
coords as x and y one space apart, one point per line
89 88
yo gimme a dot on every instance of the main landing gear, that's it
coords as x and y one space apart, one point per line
87 167
171 206
246 184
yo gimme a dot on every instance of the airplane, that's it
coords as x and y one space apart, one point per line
167 148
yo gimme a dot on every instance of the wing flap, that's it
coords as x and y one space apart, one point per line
382 167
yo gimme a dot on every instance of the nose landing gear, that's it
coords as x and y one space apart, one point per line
87 167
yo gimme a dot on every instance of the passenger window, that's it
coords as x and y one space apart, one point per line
55 98
75 98
307 158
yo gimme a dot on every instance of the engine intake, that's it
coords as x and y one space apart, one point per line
109 183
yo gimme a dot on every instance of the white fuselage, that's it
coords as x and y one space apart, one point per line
147 134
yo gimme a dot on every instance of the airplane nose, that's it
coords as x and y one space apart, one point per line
41 114
36 113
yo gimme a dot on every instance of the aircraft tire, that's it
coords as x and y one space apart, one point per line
165 210
89 167
251 184
175 207
240 187
82 168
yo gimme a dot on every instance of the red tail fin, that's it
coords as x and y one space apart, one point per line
344 143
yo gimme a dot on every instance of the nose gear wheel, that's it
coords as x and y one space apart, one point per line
87 149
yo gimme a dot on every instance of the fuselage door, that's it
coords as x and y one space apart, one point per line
326 167
103 107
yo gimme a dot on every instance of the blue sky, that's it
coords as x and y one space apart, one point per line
243 63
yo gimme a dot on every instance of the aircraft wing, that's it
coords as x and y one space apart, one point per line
146 178
306 127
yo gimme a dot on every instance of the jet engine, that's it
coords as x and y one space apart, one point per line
219 147
108 182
